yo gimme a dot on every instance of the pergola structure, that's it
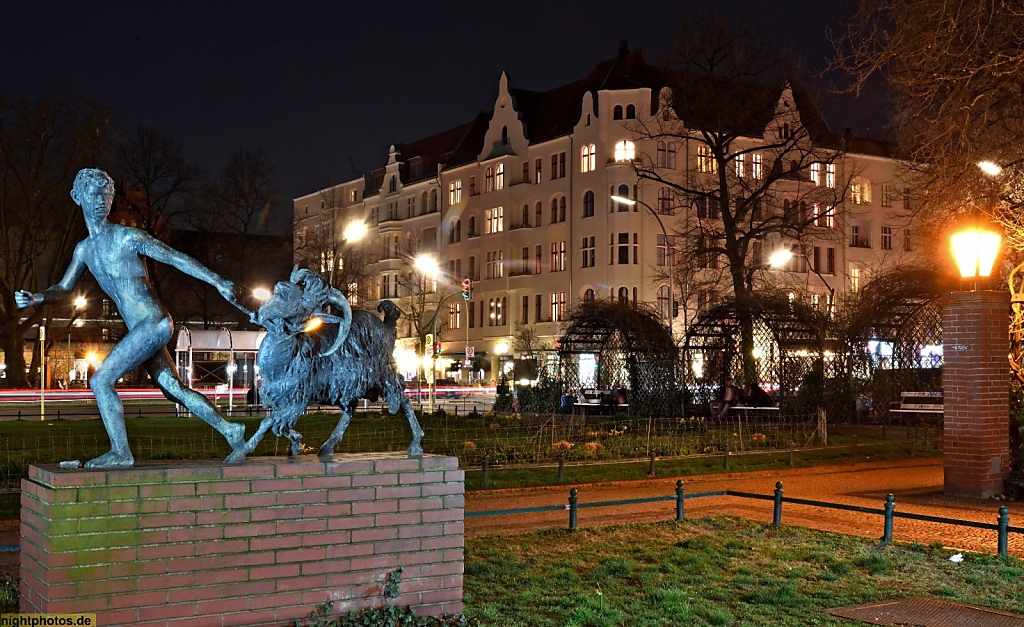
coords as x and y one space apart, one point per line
616 346
786 345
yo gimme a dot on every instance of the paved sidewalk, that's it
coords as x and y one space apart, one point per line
916 484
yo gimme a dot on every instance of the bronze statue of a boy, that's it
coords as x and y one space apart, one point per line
113 254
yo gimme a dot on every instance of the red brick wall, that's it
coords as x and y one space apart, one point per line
263 543
975 381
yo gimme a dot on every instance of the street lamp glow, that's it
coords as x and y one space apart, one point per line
261 293
975 251
990 168
80 302
355 231
624 200
427 265
780 257
93 359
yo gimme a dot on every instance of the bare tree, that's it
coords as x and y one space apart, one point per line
956 71
43 144
764 168
764 173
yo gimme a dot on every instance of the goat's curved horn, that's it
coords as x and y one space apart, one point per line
294 277
344 311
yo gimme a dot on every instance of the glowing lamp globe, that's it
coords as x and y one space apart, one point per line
975 251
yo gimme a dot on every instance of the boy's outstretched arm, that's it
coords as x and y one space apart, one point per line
159 251
57 292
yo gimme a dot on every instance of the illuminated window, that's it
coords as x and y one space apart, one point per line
558 256
454 315
741 163
824 218
489 179
499 177
830 175
756 169
705 160
625 150
860 191
588 158
494 220
816 173
455 192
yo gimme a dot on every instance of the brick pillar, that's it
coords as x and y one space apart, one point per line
976 447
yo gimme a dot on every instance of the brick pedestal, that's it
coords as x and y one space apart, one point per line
976 444
264 543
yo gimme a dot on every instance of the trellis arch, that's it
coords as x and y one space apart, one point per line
620 346
788 348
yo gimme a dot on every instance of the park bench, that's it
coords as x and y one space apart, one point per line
926 406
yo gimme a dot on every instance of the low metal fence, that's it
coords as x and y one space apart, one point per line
888 511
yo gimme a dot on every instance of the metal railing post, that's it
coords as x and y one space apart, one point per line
680 499
650 467
483 474
890 507
777 511
727 454
573 500
1004 522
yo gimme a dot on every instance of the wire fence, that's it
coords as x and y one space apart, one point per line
502 439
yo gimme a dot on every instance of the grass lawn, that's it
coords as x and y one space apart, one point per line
721 571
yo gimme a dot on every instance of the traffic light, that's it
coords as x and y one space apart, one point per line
437 348
467 288
675 309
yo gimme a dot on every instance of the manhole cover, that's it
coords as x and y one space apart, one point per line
925 612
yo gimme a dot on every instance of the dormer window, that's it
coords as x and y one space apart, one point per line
393 184
630 112
617 112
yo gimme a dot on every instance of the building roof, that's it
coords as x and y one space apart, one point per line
702 102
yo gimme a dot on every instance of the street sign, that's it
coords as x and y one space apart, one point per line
470 351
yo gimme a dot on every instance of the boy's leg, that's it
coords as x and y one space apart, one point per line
161 369
128 354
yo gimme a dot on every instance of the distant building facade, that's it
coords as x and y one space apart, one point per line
520 202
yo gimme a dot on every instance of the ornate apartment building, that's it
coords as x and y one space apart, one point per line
587 191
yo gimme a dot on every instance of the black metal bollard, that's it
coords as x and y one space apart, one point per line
650 467
777 511
890 507
1004 522
58 413
561 466
19 414
727 454
483 473
572 509
680 498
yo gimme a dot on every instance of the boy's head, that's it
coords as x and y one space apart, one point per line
91 176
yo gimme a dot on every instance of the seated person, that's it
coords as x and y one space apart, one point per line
759 398
729 396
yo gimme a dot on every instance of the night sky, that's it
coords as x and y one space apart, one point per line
325 87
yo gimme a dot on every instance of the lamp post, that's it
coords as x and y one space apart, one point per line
42 372
670 258
975 399
428 267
